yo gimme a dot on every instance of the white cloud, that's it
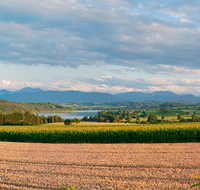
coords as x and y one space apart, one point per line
111 85
115 70
172 70
107 77
129 69
74 33
15 85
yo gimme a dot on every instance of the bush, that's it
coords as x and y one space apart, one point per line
8 123
68 122
152 119
23 123
137 121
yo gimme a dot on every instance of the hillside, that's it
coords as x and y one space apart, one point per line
8 107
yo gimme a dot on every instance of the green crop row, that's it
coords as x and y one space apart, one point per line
114 134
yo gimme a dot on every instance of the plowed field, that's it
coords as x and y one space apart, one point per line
98 166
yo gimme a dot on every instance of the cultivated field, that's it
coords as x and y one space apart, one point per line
92 123
98 166
158 133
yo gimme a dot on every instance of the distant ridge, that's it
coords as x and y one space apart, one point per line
60 97
28 94
156 96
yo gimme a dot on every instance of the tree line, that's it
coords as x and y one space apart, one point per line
115 116
27 118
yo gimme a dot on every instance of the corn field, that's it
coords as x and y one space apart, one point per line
168 133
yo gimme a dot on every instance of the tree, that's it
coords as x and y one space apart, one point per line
101 119
187 113
110 117
38 119
52 119
144 114
180 116
85 118
91 118
1 119
28 114
95 118
195 118
68 122
152 119
15 116
164 110
76 120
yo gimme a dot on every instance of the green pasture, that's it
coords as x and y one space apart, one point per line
154 133
174 117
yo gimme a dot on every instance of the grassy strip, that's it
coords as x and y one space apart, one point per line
114 134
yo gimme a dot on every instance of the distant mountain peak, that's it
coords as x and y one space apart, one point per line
163 93
4 92
28 89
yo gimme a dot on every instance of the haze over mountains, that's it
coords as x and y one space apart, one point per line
37 95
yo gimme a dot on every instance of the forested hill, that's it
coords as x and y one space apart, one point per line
8 107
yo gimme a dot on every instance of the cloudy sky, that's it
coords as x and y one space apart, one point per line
100 45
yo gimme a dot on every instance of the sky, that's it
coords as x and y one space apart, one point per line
111 46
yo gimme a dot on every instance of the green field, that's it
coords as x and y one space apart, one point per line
170 118
157 133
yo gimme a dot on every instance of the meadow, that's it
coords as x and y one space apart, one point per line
154 133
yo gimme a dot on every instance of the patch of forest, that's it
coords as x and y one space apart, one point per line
8 107
27 118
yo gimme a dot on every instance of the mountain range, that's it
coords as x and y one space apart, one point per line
28 94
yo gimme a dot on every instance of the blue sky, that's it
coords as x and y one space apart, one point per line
100 45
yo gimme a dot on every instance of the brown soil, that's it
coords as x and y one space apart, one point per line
92 123
98 166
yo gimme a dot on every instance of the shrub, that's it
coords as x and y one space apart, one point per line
8 123
68 122
23 123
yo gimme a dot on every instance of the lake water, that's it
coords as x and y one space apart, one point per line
72 115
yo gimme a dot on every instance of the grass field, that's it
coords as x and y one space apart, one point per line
38 166
158 133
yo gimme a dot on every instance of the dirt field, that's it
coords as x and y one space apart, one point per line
98 166
92 123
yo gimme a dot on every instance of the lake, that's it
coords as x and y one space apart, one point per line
71 115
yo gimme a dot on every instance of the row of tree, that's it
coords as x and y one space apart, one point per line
115 116
27 118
